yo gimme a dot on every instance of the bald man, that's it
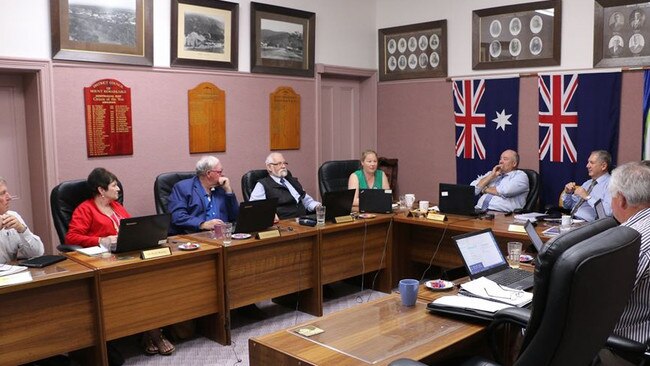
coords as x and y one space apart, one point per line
505 187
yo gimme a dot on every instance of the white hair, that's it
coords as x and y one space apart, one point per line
205 164
631 181
269 158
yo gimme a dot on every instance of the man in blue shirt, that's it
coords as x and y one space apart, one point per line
582 199
504 188
204 201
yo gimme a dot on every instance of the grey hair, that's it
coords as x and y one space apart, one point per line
631 181
3 181
603 156
269 158
206 163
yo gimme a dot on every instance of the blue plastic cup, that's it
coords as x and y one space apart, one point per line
408 291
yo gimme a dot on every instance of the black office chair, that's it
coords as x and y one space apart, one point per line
162 188
576 318
532 199
64 198
333 175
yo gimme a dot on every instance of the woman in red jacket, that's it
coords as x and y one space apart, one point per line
96 221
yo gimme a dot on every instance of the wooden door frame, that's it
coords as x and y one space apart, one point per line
37 78
367 103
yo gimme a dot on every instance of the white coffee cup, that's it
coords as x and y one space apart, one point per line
566 221
424 206
410 199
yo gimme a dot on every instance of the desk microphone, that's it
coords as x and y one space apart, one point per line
307 222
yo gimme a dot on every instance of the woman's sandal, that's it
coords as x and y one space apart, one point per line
165 343
150 347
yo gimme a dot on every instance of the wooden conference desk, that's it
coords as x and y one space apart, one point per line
138 295
54 313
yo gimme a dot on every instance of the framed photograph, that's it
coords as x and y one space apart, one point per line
204 33
282 40
413 51
523 35
621 32
119 32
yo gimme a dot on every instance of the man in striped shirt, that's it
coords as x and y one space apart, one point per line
630 190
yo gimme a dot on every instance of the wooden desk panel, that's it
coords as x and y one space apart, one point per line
138 295
55 313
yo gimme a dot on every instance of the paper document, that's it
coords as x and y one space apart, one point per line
8 269
490 290
16 278
531 216
471 303
92 250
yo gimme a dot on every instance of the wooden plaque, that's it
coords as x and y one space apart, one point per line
108 119
284 113
207 118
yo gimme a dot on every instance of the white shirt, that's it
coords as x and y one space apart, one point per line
15 245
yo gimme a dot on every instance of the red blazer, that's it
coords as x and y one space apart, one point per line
88 224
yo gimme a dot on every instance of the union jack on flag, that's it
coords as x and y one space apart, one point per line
468 97
557 115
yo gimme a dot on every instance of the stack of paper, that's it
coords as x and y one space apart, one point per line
15 278
7 269
92 250
470 303
489 290
531 216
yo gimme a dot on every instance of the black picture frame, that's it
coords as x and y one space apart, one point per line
282 40
413 51
522 35
204 33
621 29
79 33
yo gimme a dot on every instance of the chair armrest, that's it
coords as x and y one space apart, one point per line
514 315
622 344
405 362
64 248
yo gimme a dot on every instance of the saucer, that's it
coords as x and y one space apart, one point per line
439 285
189 246
525 258
367 216
240 236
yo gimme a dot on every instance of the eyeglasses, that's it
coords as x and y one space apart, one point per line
216 171
507 294
280 163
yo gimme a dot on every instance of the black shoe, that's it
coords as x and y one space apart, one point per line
115 358
252 312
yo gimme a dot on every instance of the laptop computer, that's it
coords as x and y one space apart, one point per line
457 199
534 237
375 200
142 232
337 203
255 216
600 209
483 258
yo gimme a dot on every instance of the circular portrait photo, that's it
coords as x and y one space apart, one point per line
495 28
423 60
401 45
434 59
423 43
392 63
413 44
535 46
515 26
637 19
495 49
616 21
401 62
636 43
413 61
391 46
615 45
515 47
536 24
434 41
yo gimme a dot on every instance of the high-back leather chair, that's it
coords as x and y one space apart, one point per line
64 198
162 188
389 166
532 199
577 317
333 175
249 179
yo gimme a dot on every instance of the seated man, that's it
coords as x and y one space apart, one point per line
293 201
201 202
504 188
16 240
581 199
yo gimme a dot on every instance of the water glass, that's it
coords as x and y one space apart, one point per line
226 230
424 206
320 215
514 253
409 198
566 221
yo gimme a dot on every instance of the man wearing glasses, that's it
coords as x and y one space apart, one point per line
201 202
293 201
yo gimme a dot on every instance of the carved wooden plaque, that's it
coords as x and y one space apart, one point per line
207 118
108 119
284 115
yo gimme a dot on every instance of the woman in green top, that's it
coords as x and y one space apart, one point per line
368 176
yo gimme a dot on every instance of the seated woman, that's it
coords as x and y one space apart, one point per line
97 220
368 176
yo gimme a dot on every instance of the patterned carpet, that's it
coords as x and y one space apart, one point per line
201 351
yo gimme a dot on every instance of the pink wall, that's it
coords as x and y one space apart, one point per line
160 127
415 124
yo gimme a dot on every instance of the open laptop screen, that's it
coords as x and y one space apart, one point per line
534 237
256 215
480 252
142 232
456 199
600 209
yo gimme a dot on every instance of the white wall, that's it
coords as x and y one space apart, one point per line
345 30
577 29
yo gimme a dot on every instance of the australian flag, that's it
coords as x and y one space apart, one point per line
578 113
486 113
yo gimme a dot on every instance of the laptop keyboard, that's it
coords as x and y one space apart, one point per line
509 276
